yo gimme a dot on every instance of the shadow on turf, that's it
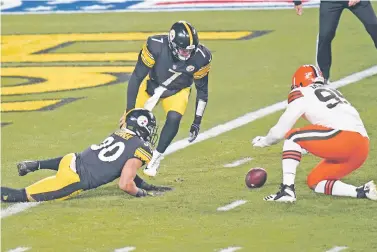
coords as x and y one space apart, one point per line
107 191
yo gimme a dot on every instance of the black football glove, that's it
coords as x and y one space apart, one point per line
145 193
149 187
194 131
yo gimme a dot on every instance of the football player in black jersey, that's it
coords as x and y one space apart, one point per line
119 155
166 68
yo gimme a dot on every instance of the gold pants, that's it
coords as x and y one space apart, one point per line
177 102
65 184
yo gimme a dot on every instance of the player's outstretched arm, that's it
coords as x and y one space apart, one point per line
200 106
126 181
145 62
293 112
138 75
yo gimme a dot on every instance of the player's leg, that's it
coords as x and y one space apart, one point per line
365 13
325 177
316 139
142 95
329 15
175 107
64 184
291 159
25 167
13 195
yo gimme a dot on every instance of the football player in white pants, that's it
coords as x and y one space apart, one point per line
335 133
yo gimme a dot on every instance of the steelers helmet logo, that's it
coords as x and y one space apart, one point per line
142 121
171 35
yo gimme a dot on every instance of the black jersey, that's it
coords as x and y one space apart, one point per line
169 72
101 164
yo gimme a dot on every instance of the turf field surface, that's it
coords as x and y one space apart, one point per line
246 75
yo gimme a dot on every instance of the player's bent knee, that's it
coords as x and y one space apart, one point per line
291 145
312 182
173 117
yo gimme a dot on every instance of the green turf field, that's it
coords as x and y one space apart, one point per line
246 75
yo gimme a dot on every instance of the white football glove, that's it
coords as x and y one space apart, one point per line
260 141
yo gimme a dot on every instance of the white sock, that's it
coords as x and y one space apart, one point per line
336 187
291 159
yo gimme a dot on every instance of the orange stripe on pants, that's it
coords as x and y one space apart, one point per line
343 153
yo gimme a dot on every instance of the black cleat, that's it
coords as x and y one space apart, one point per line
25 167
149 187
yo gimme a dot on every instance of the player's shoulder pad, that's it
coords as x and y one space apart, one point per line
152 48
144 152
294 95
204 55
203 61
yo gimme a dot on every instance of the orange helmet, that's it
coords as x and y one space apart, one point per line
306 75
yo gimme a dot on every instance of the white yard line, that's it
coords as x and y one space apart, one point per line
19 249
232 205
125 249
230 249
238 162
222 128
17 208
337 249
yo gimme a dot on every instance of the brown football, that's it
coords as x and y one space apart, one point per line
256 177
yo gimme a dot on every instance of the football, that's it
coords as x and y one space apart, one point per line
256 177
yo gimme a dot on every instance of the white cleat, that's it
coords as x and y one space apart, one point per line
370 190
154 164
286 194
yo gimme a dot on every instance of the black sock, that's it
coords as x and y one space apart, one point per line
50 164
13 195
169 130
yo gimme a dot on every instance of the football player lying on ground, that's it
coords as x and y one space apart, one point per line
336 134
119 155
165 70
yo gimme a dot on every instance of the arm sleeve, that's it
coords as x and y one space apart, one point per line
293 112
201 84
145 62
138 75
201 98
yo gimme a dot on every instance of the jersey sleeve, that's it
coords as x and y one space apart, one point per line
144 153
294 95
205 64
293 112
151 50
